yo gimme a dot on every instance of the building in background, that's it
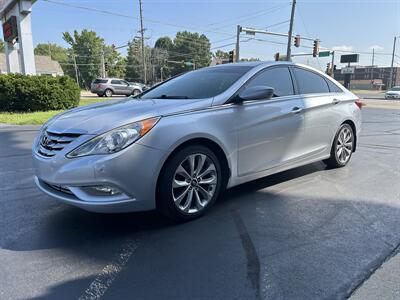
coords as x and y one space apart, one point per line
370 77
44 65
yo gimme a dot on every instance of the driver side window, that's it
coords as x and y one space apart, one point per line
277 78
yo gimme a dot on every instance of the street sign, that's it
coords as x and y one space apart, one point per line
349 58
324 53
347 70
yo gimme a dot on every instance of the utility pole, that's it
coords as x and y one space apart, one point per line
372 65
239 29
333 65
48 44
289 45
103 65
142 37
391 66
76 68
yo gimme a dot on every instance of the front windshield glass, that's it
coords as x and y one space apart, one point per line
397 88
204 83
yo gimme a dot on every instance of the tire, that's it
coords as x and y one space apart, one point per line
136 92
182 197
340 158
108 93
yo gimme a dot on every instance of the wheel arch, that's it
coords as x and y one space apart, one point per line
353 127
203 141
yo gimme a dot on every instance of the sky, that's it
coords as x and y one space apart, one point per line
350 25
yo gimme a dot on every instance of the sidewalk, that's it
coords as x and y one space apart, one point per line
383 284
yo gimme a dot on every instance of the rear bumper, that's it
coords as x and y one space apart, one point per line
97 91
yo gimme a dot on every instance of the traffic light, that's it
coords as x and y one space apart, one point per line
231 56
106 66
297 41
277 56
316 48
328 68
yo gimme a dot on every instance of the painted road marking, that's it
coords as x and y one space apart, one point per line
106 277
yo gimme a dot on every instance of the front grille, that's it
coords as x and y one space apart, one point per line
51 143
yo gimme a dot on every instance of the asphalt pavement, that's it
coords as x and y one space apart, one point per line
307 233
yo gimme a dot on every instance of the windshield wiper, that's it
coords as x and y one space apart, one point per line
171 97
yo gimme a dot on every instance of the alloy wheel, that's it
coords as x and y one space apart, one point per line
194 183
344 145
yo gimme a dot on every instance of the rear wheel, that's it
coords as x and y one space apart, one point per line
342 148
189 183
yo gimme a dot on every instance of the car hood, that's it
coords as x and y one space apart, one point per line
101 117
393 93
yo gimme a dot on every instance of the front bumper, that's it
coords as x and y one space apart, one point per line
390 96
133 171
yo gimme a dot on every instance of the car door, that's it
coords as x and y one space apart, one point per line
127 87
320 119
270 130
118 86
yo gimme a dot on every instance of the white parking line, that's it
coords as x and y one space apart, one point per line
106 277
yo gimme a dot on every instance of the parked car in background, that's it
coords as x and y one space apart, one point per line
114 86
176 146
393 93
143 86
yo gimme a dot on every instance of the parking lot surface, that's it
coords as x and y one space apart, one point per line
307 233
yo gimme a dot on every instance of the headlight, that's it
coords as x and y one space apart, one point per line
114 140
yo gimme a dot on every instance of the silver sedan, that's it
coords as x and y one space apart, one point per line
176 146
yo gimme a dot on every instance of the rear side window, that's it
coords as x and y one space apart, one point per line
116 82
310 82
277 78
333 88
100 81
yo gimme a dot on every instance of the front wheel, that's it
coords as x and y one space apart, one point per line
189 183
108 93
342 148
136 92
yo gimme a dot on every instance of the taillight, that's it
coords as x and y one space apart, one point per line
98 85
359 103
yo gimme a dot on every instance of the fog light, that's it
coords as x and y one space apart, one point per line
102 190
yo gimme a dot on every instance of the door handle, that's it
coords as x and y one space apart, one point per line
335 101
296 110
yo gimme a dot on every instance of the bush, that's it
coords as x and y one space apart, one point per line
20 93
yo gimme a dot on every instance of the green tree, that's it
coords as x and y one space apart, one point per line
162 48
164 43
186 49
222 54
191 47
115 62
87 47
1 46
133 67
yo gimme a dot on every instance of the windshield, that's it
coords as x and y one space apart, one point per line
396 88
204 83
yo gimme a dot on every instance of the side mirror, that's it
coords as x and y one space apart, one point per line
259 92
